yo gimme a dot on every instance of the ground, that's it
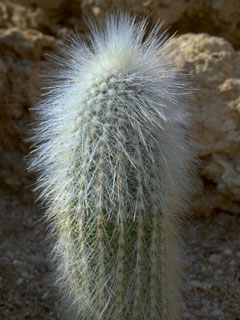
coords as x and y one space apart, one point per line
212 288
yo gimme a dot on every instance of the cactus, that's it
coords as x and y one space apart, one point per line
115 160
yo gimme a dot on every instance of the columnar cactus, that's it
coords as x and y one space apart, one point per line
114 157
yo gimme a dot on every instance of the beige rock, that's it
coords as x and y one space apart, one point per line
214 68
216 17
46 4
28 16
21 61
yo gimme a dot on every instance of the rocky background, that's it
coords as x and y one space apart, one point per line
209 40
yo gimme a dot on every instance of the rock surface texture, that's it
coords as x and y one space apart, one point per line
21 61
219 18
214 17
214 69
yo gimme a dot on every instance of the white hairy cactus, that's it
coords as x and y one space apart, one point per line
114 160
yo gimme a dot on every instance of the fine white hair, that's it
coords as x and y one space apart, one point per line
115 161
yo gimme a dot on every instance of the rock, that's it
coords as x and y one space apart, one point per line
21 61
219 18
227 252
5 263
19 281
215 259
45 295
24 17
196 284
188 316
214 68
46 4
218 273
232 263
217 313
193 258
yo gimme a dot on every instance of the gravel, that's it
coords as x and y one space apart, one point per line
212 266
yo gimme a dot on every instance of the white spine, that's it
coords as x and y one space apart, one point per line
115 162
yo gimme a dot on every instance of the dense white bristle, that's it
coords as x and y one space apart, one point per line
114 162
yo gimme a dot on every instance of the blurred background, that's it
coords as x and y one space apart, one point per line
208 40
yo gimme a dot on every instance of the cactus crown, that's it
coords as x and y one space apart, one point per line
114 162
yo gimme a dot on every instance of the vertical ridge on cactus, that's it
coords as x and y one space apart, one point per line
114 158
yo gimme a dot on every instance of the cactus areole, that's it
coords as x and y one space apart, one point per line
114 159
